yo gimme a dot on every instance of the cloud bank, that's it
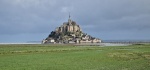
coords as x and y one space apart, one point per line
32 20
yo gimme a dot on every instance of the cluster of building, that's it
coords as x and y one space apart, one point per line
69 32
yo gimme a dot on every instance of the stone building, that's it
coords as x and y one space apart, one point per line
70 26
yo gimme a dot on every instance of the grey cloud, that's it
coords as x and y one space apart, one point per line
102 16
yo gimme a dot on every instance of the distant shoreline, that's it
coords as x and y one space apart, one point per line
104 43
18 43
82 44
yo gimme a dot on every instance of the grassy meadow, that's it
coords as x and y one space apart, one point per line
69 57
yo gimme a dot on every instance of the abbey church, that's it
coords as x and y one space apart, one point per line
69 32
69 26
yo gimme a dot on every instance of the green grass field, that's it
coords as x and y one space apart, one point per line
68 57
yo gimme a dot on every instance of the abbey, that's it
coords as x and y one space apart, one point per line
69 32
69 26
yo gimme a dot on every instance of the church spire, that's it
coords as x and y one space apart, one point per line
69 15
69 20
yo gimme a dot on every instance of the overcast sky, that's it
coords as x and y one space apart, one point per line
33 20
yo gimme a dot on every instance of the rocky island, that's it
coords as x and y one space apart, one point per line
69 32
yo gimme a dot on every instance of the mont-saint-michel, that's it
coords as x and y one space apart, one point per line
70 32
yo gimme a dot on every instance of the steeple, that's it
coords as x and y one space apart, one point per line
69 20
69 15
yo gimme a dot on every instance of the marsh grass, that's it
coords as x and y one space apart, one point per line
70 57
